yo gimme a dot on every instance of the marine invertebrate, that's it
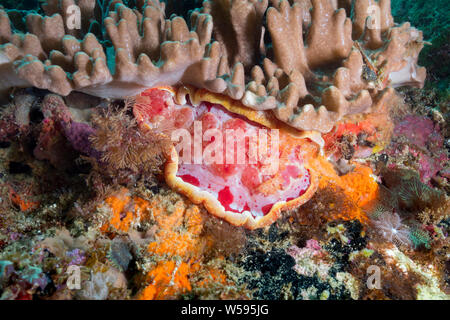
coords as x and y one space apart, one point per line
15 117
119 254
125 211
338 197
316 76
307 79
266 174
390 226
31 279
101 285
411 194
360 136
22 201
305 260
423 278
176 249
123 152
77 257
59 131
420 237
280 270
53 146
24 271
179 246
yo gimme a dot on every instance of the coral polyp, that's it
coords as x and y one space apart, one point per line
222 149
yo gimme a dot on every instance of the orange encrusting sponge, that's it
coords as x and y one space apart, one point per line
178 247
347 194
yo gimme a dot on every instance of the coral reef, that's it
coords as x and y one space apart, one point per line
116 177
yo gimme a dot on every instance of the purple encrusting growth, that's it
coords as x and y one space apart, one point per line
15 236
78 133
78 257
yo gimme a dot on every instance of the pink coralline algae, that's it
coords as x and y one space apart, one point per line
421 138
420 130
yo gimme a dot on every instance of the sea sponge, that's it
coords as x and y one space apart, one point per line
339 197
126 211
181 247
166 280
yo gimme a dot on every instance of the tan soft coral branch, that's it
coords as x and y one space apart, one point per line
303 98
320 66
159 55
300 87
238 27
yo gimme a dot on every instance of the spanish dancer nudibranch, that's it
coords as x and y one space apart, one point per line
248 185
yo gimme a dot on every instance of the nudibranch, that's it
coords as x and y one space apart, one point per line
268 172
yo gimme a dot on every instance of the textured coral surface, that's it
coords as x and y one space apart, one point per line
319 66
